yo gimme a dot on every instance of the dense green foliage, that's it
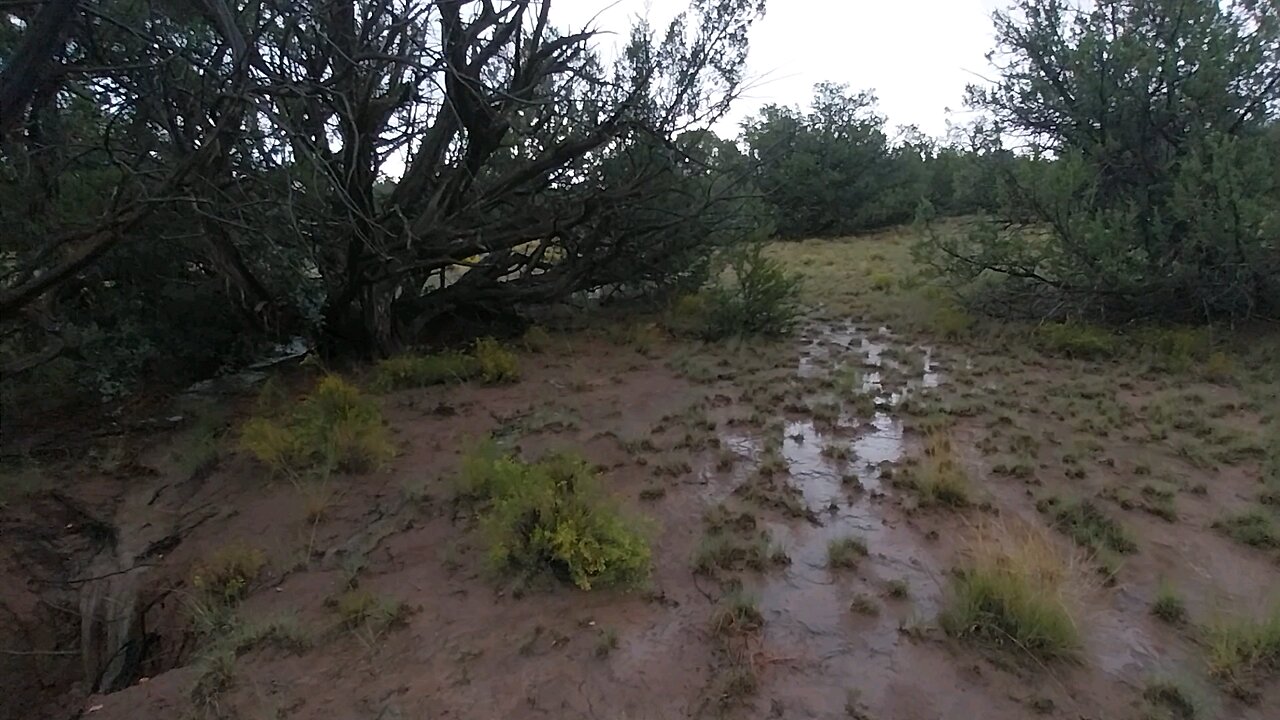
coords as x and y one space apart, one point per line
549 517
1163 193
213 179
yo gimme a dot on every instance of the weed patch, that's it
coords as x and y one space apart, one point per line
1085 523
1168 605
1252 527
334 427
845 552
1245 652
550 518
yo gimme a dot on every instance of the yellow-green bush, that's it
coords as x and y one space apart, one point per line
536 339
489 361
882 281
1076 340
413 371
951 322
549 517
1174 348
334 427
495 364
225 575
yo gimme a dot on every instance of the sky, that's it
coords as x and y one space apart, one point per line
917 55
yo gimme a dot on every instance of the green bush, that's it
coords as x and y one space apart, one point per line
413 371
1244 652
1075 340
760 299
334 427
549 517
488 361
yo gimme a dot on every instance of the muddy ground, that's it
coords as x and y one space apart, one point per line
688 436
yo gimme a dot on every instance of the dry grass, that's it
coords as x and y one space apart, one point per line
1245 653
1016 589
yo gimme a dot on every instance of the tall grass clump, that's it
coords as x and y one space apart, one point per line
550 518
334 427
1244 653
1014 590
488 361
941 479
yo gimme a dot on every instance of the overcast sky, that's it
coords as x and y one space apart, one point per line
917 55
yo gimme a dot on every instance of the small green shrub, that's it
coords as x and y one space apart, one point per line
1012 592
845 552
1253 527
362 608
760 300
1245 652
224 577
536 339
488 361
1168 699
549 517
1075 340
1168 605
1088 525
882 281
737 613
413 371
495 363
336 426
1174 348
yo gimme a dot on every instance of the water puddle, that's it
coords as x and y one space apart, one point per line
837 469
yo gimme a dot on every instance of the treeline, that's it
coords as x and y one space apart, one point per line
183 185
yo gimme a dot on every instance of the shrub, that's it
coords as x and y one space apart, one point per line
845 552
536 339
882 281
336 426
1074 340
1253 527
1085 523
1168 605
1244 652
760 300
359 607
549 517
495 363
1169 699
951 322
223 578
414 371
489 361
1013 590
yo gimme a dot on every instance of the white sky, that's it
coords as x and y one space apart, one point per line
917 55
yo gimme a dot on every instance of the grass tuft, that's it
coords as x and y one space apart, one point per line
1014 592
1244 653
845 552
1168 605
1252 527
940 478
